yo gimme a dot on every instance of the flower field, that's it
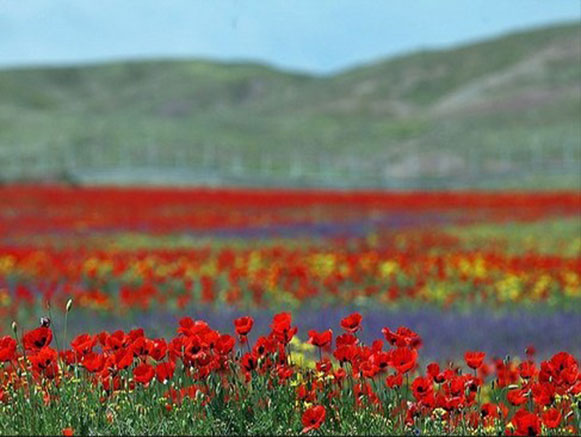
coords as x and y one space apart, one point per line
191 311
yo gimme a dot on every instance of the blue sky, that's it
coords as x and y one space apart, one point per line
318 36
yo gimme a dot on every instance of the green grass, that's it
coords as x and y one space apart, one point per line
512 93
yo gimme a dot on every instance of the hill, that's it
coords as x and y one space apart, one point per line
499 113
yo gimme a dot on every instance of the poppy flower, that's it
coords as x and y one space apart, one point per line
7 348
281 327
249 362
165 371
93 362
395 380
552 418
474 359
68 432
345 353
313 418
543 393
403 359
116 341
527 369
192 347
123 358
158 349
37 338
517 396
83 344
433 369
141 347
262 346
489 412
352 323
320 339
402 337
422 387
368 369
381 360
561 364
225 344
324 365
526 424
243 325
45 361
346 339
143 373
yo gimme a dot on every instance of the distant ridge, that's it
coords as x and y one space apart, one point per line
515 101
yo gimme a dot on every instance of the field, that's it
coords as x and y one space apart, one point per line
200 311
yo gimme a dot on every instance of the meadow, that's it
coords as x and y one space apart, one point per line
238 311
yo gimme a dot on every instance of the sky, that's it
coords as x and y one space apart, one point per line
314 36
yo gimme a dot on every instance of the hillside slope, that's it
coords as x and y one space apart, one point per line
500 106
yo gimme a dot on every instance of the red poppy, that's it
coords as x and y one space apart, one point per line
7 348
37 338
381 360
313 418
123 358
530 351
143 373
345 353
83 344
433 370
243 325
164 371
141 347
352 323
68 432
320 339
402 337
489 412
517 396
403 359
158 349
93 362
281 327
422 387
527 369
526 424
561 366
552 418
249 362
346 339
45 361
324 365
474 359
263 345
368 369
543 393
116 341
192 348
225 344
339 375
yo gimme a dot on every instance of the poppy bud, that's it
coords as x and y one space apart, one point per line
14 327
45 322
69 304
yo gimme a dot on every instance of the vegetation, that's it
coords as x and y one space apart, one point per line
468 111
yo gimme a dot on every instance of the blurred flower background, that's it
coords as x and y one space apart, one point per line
216 159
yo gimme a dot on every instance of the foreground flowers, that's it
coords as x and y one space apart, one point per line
381 385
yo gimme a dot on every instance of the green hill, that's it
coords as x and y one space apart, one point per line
498 113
